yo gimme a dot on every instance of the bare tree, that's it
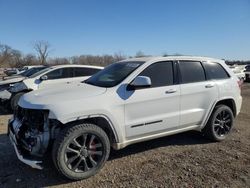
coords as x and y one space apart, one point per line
9 57
165 54
118 56
140 54
43 50
5 54
16 59
30 59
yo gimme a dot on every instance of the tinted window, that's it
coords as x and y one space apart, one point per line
40 72
114 73
85 71
248 68
191 71
33 71
60 73
215 71
161 74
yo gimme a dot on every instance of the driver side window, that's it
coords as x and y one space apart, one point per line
60 73
161 74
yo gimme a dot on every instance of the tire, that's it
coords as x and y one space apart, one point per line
219 124
14 100
74 146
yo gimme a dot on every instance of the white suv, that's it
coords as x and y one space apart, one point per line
48 78
128 102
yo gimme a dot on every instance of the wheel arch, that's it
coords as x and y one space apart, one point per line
230 103
101 121
225 101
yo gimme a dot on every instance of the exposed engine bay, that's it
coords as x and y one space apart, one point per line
32 131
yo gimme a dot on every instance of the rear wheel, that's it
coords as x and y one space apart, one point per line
81 151
14 100
220 123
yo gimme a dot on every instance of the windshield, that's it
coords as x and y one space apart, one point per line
31 71
39 72
113 74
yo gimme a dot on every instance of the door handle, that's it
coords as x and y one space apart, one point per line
209 85
170 91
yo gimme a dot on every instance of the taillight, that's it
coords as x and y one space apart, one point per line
240 82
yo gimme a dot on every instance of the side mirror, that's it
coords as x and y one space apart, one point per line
44 77
140 82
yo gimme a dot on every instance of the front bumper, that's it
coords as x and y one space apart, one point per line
14 141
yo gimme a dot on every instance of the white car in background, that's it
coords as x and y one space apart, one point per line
17 71
9 81
51 76
238 71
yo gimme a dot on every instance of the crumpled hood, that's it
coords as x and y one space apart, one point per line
12 80
64 93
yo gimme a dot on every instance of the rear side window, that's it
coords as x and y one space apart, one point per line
191 71
78 72
215 71
161 74
60 73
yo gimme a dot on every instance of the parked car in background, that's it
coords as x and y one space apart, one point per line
51 76
26 73
128 102
25 68
11 71
247 73
17 71
7 82
239 72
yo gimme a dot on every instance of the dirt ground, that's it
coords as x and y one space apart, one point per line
183 160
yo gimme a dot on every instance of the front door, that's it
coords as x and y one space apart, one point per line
154 109
56 77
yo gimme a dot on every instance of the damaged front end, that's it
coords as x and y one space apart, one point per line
29 132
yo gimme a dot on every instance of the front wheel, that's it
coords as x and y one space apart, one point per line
220 123
80 151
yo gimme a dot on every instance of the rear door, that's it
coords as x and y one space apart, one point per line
198 94
216 72
155 109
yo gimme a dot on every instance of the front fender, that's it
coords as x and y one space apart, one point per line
112 122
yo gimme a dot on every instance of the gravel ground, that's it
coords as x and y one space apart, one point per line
183 160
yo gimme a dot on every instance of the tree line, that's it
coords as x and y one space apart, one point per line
10 57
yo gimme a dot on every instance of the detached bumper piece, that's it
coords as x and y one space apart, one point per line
14 141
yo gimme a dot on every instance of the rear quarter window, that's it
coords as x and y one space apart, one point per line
215 71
